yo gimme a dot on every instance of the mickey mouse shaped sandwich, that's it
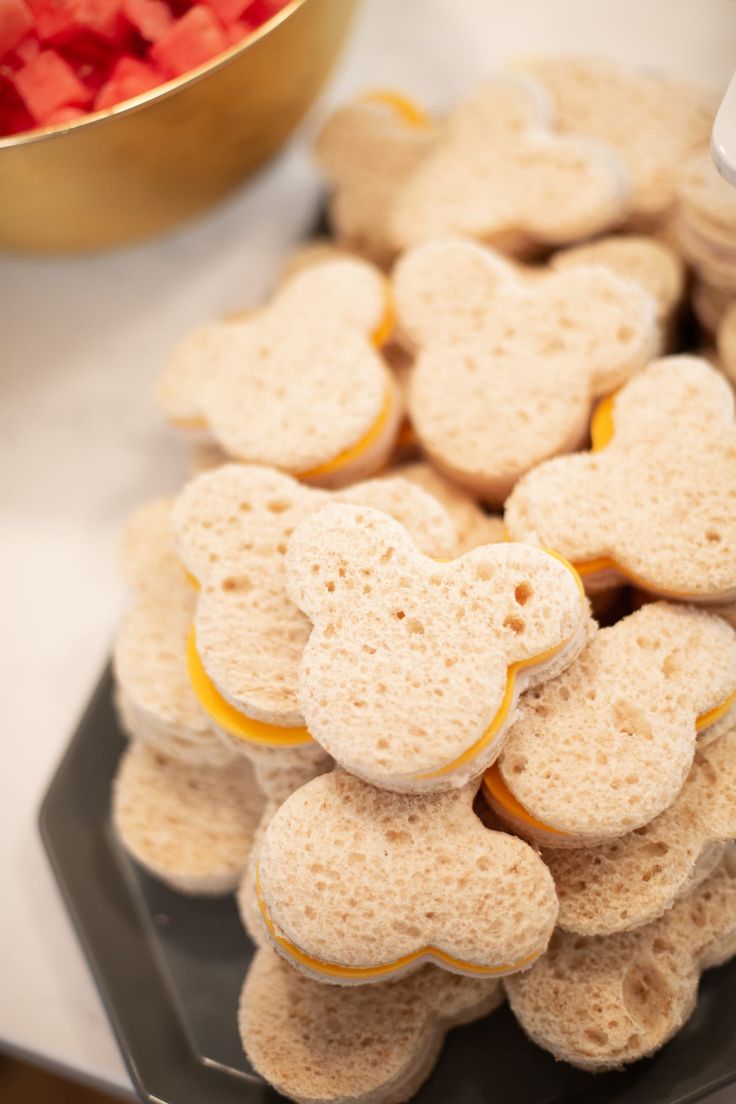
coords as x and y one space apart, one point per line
413 669
507 369
649 121
498 172
654 503
358 885
232 529
298 385
606 747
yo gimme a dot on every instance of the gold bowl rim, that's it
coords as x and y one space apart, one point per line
161 92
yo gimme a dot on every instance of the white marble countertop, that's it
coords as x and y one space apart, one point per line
81 342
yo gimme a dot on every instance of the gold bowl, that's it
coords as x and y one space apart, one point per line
146 164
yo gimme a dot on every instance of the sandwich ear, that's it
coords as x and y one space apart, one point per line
562 497
358 133
610 321
521 580
685 391
335 554
345 291
499 111
441 290
213 518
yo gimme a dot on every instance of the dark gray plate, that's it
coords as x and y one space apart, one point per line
169 969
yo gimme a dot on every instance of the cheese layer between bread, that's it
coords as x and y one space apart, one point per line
601 434
386 326
229 718
498 793
498 723
407 109
386 970
359 449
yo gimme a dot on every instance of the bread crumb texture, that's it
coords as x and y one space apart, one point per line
607 745
603 1001
374 1043
664 513
190 826
407 663
360 877
507 368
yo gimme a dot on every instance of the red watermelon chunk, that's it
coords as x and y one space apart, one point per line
27 50
237 31
64 115
229 11
62 21
151 18
259 11
129 77
48 83
192 40
16 21
58 57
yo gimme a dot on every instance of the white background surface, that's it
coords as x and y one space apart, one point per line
80 343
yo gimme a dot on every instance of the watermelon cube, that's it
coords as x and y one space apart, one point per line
16 21
27 50
237 31
259 11
192 40
129 77
151 18
60 22
47 83
229 11
64 115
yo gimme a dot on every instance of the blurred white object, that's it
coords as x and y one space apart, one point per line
723 139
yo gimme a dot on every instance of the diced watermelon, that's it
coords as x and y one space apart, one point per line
236 32
130 77
151 18
16 21
228 11
27 50
64 115
62 21
48 83
259 11
192 40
